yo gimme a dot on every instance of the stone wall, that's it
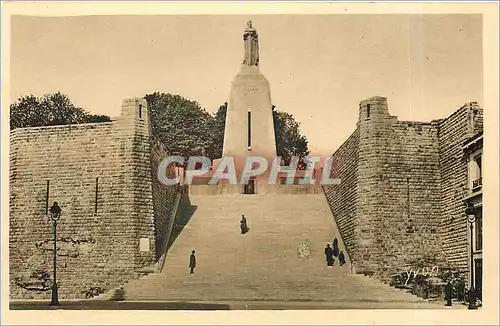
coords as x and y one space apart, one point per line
108 163
399 181
398 186
408 183
163 198
343 197
453 133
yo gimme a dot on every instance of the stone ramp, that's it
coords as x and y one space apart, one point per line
265 264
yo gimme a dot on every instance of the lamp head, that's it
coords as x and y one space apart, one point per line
55 211
470 211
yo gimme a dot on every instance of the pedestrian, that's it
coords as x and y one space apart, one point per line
329 255
192 262
341 258
448 293
460 290
335 247
243 225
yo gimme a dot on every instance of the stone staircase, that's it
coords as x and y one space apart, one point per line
262 265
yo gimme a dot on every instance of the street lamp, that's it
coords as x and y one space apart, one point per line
471 218
55 212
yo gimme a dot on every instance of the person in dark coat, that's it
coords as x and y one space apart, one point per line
335 247
341 258
192 262
448 293
243 225
461 290
329 255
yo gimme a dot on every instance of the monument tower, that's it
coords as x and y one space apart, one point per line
249 129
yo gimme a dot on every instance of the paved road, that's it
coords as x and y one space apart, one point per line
234 305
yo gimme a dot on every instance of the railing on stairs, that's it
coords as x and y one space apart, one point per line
173 217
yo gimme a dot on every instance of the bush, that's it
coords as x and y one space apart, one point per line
119 295
426 286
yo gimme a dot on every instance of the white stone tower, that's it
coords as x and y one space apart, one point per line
249 127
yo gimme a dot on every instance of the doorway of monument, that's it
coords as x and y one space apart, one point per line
249 188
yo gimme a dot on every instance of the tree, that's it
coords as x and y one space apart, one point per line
182 125
91 118
217 127
289 141
49 110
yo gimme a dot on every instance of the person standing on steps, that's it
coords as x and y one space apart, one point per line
335 247
243 225
448 293
329 255
341 258
192 262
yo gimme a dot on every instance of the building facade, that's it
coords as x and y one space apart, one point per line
473 149
400 202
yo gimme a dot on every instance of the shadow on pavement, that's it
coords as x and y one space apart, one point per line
186 212
116 305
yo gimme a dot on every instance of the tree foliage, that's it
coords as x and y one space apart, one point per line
182 125
218 128
91 118
187 129
49 110
289 141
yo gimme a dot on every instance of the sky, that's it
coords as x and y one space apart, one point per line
319 66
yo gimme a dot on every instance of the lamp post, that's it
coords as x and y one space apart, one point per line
55 212
471 218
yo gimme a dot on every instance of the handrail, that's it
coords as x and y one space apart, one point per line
178 197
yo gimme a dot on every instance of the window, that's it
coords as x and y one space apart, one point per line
140 111
368 110
249 130
479 230
96 193
47 198
478 162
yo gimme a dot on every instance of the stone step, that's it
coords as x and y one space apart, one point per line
263 264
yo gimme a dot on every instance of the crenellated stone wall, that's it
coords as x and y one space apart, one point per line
400 182
102 175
